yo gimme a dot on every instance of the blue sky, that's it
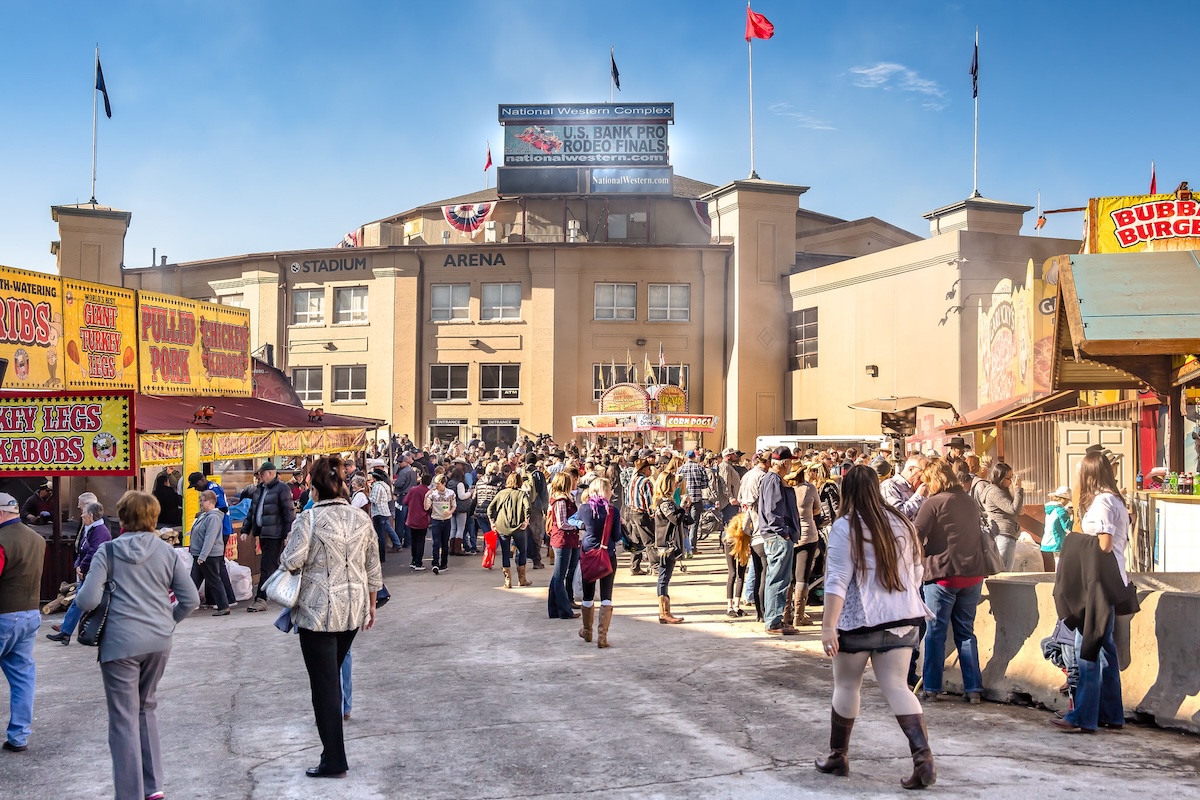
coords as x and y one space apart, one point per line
254 126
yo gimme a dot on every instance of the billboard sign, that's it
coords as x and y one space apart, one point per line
31 329
631 181
67 433
642 144
1142 223
188 347
100 331
568 113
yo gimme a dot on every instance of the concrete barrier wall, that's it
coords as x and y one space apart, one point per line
1159 646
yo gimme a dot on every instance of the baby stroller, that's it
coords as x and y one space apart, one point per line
710 523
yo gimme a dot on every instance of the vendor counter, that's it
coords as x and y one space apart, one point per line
1172 525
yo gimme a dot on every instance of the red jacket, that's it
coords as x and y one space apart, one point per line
414 501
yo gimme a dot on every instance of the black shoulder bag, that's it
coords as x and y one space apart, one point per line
91 626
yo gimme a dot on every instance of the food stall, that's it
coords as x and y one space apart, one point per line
635 409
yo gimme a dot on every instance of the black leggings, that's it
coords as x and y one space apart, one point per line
323 656
736 578
606 586
758 555
802 566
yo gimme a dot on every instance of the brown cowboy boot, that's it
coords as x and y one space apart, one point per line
585 631
602 626
521 577
789 610
664 612
802 620
507 577
924 774
838 760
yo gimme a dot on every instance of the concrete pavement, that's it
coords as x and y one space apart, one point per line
467 690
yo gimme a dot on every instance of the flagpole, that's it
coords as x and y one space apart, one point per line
612 55
750 53
975 172
93 200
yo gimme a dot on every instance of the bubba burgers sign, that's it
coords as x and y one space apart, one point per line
1145 223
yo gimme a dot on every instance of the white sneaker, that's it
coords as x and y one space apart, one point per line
436 570
415 568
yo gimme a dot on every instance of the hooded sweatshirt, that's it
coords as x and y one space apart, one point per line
206 535
145 572
1058 524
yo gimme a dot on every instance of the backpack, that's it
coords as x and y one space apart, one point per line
461 506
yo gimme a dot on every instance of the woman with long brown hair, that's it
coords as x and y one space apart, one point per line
873 608
1098 700
948 528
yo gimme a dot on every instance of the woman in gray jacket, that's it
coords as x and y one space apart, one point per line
207 548
137 639
1002 499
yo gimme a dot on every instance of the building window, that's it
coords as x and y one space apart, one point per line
500 301
606 375
802 427
616 301
447 382
308 383
349 305
450 301
672 375
233 300
500 382
804 338
669 302
349 383
308 307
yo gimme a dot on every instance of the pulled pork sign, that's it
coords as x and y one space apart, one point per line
192 348
1143 223
68 433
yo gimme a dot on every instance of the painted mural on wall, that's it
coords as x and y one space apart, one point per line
1016 332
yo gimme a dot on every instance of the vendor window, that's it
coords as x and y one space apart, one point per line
616 301
349 305
604 376
349 383
669 302
450 301
500 301
308 383
447 382
308 307
500 382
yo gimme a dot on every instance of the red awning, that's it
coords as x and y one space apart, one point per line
155 414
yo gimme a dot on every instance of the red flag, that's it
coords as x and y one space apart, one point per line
757 26
1153 180
488 164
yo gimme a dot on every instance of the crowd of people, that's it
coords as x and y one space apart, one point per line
896 552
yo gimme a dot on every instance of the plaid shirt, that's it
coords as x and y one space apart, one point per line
697 477
381 495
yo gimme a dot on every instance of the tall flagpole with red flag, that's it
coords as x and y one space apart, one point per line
757 27
1153 180
487 165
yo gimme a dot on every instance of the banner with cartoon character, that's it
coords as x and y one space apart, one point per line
100 325
31 329
66 433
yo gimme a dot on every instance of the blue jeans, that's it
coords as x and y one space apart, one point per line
666 568
347 684
1098 695
693 535
383 526
751 583
952 609
71 619
779 552
402 529
1008 551
17 632
471 534
439 538
521 540
558 603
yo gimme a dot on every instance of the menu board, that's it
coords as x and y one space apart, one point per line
31 329
66 433
187 347
100 331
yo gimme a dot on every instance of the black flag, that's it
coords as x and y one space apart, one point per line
975 70
616 76
100 87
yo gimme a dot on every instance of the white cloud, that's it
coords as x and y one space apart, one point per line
802 119
889 76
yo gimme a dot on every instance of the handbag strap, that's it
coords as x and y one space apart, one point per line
608 523
108 566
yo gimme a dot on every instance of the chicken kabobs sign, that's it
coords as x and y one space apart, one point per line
189 347
68 433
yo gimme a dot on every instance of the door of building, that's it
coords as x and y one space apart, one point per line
1074 438
499 432
446 430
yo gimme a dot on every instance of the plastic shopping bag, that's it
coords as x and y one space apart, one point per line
490 539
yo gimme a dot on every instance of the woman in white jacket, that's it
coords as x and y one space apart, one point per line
873 607
334 548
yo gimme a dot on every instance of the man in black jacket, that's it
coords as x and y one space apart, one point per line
270 519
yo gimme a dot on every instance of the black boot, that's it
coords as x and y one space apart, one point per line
924 773
65 638
838 760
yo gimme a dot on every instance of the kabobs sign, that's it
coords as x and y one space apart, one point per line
189 347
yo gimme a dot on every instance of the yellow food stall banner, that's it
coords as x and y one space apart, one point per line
31 329
100 330
186 347
66 433
1142 223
